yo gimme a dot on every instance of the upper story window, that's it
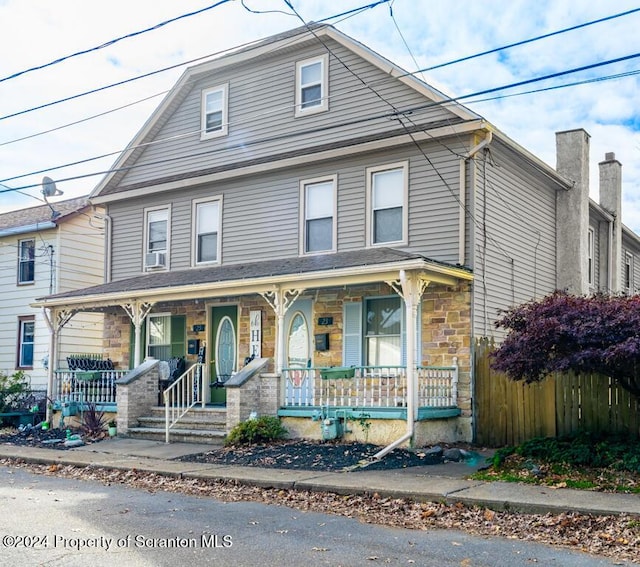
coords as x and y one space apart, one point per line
312 86
628 273
206 231
156 238
26 261
590 256
26 340
387 191
319 213
214 112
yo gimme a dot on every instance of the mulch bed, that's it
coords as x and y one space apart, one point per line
45 439
315 455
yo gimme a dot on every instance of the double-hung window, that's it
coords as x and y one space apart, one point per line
26 261
206 231
628 273
156 238
590 256
159 336
214 112
319 213
387 204
312 86
26 339
383 331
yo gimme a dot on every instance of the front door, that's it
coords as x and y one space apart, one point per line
224 352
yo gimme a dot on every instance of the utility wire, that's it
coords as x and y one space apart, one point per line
530 40
113 41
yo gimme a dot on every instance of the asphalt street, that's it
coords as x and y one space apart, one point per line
49 520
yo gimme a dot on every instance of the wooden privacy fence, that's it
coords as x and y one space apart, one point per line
508 412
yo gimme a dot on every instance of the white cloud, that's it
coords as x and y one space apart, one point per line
36 32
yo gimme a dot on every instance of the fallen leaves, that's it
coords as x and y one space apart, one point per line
611 536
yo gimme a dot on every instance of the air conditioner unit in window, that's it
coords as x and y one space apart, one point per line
155 260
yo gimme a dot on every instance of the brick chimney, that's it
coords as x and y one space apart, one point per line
572 212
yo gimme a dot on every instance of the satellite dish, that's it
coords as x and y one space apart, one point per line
49 188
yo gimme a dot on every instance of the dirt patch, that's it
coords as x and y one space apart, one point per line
45 439
327 456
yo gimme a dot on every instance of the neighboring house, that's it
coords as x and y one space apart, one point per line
44 252
306 201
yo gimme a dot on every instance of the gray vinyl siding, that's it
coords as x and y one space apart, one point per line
260 218
595 227
631 246
515 260
261 113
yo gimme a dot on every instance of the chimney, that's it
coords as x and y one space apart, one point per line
611 200
572 212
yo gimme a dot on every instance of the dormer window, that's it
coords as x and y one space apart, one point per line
312 86
214 112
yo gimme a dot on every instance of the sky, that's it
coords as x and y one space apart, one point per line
415 34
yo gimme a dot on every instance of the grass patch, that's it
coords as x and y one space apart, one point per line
583 461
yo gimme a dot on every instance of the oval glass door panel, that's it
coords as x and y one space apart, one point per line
298 342
225 349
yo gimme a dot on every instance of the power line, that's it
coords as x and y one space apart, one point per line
113 41
530 40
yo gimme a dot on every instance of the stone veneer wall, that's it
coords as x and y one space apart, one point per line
136 393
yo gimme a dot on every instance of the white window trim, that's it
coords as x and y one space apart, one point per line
591 256
324 86
194 231
148 330
224 130
404 165
145 241
21 281
302 231
22 321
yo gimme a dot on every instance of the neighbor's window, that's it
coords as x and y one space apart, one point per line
387 204
157 238
628 273
26 335
319 214
214 112
312 89
159 336
383 331
26 261
590 256
206 231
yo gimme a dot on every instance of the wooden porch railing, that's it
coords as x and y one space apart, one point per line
369 386
185 393
97 387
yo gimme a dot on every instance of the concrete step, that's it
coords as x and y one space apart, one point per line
187 422
207 414
178 435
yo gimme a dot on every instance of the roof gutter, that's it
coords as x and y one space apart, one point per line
28 228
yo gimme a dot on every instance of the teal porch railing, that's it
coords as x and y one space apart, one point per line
369 386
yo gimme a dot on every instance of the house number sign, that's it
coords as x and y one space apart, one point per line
255 333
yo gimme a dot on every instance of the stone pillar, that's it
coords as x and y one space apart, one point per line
611 200
136 393
572 212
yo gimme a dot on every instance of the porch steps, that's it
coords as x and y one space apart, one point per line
199 425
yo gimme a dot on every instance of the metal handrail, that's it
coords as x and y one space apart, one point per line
182 395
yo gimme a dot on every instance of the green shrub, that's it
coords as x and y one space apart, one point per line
14 389
259 430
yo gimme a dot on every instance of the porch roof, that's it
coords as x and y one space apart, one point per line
323 270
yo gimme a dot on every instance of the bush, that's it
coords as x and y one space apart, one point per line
259 430
93 421
14 389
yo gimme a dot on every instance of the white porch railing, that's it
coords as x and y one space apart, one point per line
182 395
97 387
369 386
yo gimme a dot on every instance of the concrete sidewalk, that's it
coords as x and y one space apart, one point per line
441 483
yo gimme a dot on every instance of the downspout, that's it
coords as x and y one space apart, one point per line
52 362
463 194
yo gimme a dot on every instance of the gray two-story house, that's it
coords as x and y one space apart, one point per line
305 203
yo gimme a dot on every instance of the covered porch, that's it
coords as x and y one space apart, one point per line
423 384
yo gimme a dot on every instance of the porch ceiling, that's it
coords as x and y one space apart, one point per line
326 270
